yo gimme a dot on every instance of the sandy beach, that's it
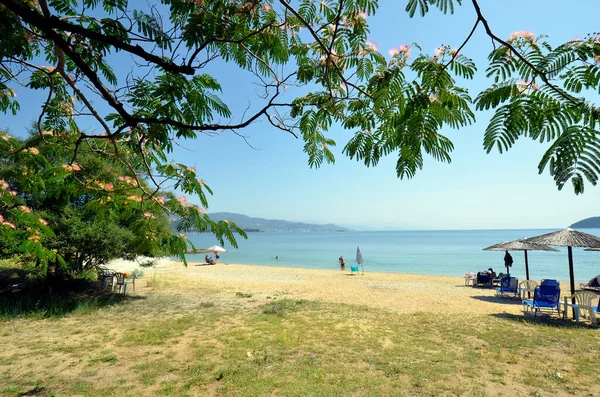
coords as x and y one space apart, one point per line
398 292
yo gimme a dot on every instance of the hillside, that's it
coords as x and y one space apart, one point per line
587 223
274 225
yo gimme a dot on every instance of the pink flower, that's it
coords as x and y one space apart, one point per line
3 184
182 200
6 137
192 169
149 215
137 199
394 51
371 45
160 199
76 167
109 186
1 219
43 221
362 15
439 51
267 7
525 35
25 209
9 224
34 151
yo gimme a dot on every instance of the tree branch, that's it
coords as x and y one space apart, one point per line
537 71
52 22
324 47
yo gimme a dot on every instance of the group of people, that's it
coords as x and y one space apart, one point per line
210 260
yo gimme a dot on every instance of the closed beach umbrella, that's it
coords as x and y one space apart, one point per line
359 258
520 245
568 238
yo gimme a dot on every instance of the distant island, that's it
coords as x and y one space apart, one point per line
250 224
587 223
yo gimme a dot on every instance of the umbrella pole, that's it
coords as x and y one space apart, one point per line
527 273
570 250
526 266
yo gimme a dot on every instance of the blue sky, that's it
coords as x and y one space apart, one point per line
475 191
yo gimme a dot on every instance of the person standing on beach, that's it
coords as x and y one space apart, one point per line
342 263
508 261
217 256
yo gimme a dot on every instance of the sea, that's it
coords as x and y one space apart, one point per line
440 252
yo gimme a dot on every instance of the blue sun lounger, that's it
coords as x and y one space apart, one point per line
546 297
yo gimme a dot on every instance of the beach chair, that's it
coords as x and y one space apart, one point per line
527 287
353 269
596 311
508 286
484 279
496 281
121 283
105 278
582 303
470 278
546 297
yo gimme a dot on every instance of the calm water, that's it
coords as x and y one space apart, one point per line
418 252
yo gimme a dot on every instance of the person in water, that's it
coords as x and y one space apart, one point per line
342 263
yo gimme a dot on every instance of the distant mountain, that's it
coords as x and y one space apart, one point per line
274 225
587 223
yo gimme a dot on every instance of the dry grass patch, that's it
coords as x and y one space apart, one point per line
209 342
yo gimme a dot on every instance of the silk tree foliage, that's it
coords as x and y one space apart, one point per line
67 218
317 68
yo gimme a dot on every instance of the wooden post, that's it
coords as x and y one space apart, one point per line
570 251
527 273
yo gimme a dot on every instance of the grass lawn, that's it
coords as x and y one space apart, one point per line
163 341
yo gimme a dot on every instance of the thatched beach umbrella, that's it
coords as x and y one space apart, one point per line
568 238
520 245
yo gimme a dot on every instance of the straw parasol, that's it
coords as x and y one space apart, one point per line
520 245
568 238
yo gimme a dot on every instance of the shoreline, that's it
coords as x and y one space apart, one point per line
404 293
124 265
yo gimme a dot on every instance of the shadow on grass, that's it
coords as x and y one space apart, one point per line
542 319
52 298
10 276
497 299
